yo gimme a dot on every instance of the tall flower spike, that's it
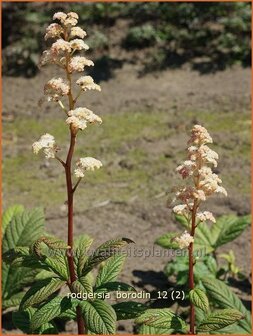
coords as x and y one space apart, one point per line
197 169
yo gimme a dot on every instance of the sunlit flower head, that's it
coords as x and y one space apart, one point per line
87 163
184 240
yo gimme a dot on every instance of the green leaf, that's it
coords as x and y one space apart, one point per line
41 291
13 301
227 228
161 318
182 220
82 285
53 244
114 286
203 240
104 252
49 311
225 298
147 330
9 214
166 241
232 228
21 319
99 317
199 299
219 320
24 229
128 310
110 270
58 265
81 246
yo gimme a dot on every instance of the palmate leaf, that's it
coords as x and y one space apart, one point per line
228 228
99 317
114 286
40 291
9 214
49 311
24 229
110 269
128 310
225 298
104 252
219 319
161 318
199 299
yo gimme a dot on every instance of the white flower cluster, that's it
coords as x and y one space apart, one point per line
56 88
87 163
47 143
79 118
87 83
184 240
196 169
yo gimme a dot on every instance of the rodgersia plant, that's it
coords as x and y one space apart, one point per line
67 264
200 182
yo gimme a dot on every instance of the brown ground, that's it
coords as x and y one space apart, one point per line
129 200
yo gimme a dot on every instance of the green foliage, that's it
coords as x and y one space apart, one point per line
161 318
49 311
141 36
199 299
166 241
40 291
110 270
219 319
223 296
40 305
128 310
99 317
20 229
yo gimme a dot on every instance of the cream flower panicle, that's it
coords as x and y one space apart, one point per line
87 163
60 16
78 44
80 116
78 63
202 182
184 240
47 143
56 88
77 32
87 83
53 30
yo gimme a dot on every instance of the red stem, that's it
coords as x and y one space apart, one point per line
191 273
70 192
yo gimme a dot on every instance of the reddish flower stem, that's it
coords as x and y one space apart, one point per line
191 265
70 193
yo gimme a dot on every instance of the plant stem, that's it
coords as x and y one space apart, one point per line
191 265
70 192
